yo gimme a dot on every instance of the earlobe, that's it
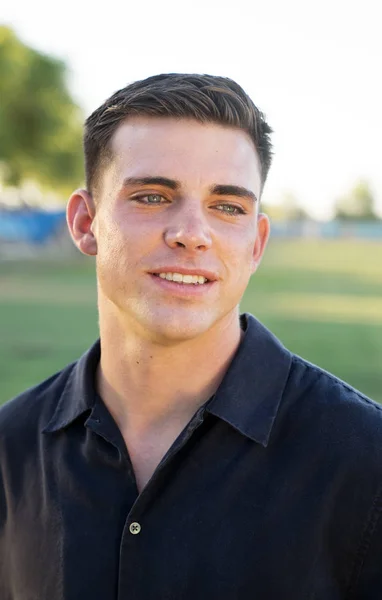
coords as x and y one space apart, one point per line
80 214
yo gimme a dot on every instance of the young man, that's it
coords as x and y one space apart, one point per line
187 454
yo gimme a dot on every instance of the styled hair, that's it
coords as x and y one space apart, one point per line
204 98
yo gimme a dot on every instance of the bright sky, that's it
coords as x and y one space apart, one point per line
314 69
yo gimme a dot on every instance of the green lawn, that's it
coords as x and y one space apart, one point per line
322 298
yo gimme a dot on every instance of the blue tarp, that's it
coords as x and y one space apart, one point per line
31 226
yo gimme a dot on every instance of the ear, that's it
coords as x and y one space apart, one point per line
263 231
80 213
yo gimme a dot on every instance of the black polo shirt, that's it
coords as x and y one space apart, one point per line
272 491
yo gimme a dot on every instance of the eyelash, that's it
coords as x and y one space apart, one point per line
237 210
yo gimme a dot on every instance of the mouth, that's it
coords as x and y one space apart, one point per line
182 279
187 285
185 276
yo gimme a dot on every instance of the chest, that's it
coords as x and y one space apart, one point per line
218 520
168 544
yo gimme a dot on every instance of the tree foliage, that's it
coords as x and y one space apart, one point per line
40 124
357 205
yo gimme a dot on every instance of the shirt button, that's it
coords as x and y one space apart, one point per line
134 528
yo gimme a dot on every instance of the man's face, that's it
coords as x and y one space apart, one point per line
179 198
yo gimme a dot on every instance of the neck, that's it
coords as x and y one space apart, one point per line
145 384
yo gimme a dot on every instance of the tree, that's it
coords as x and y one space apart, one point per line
39 122
357 205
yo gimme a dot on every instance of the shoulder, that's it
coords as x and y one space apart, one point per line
333 393
49 406
31 410
22 420
310 401
331 409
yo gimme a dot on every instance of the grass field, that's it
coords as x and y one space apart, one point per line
322 298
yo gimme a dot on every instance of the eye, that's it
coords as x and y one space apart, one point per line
230 209
150 199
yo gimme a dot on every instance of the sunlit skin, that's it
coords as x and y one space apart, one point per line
183 195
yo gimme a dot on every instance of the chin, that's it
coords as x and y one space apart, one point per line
178 327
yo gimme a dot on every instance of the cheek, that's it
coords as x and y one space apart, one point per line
113 255
239 252
239 270
124 244
110 248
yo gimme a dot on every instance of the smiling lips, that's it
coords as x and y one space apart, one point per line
181 275
179 278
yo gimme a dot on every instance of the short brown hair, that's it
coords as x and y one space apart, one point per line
205 98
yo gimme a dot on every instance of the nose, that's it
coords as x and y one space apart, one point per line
188 230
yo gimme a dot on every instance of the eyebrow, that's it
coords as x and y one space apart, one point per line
164 181
233 190
173 184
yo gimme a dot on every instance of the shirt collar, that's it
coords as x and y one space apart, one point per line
251 391
79 393
248 398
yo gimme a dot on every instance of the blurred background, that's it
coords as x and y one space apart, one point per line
315 73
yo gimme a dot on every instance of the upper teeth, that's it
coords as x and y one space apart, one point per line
183 278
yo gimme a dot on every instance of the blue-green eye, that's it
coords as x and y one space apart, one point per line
153 198
230 209
150 199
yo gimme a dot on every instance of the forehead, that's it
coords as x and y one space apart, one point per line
185 150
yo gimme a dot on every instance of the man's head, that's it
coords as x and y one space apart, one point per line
204 98
175 169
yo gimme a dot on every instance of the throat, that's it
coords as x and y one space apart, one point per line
146 451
